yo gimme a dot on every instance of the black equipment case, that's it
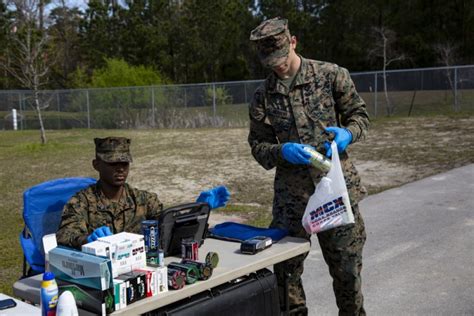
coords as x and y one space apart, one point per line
185 221
252 295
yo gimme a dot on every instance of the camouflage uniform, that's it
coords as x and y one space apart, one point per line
323 94
90 208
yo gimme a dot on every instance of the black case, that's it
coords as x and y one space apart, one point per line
253 295
185 221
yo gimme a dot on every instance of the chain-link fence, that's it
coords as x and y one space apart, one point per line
409 92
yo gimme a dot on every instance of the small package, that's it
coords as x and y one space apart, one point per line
135 283
120 263
161 278
151 284
127 245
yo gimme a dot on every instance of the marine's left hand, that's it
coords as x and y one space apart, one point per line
215 197
342 137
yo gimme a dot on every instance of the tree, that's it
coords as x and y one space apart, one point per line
446 53
384 48
64 30
118 73
29 59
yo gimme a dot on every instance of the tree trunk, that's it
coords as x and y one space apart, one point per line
40 118
388 105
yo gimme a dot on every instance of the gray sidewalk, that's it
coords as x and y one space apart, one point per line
419 254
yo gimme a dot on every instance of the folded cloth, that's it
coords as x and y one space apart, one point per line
239 232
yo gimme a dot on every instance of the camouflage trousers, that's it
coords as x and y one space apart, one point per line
342 251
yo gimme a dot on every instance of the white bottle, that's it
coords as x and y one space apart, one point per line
66 305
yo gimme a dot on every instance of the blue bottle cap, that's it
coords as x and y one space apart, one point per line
47 276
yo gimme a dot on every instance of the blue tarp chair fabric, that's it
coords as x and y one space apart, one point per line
240 232
42 210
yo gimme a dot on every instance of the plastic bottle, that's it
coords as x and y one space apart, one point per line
49 295
66 305
319 160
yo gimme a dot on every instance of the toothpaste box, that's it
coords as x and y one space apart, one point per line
95 301
81 268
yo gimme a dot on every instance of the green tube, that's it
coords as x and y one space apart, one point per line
318 160
212 259
205 270
192 273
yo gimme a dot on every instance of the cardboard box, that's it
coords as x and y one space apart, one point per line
81 268
120 294
151 281
135 284
161 278
92 300
128 249
105 249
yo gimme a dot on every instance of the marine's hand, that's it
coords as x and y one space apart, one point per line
99 232
343 137
215 197
295 153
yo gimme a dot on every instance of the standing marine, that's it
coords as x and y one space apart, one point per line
305 102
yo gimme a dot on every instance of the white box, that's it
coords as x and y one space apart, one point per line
128 251
161 278
121 261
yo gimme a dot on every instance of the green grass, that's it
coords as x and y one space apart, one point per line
179 163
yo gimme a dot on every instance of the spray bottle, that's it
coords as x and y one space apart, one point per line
49 295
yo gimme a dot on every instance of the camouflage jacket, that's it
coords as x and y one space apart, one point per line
323 94
90 208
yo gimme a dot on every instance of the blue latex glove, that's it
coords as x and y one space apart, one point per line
99 232
343 137
295 153
215 197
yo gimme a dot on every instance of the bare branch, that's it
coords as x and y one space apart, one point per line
399 58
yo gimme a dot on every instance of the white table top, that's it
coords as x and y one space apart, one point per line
232 264
21 308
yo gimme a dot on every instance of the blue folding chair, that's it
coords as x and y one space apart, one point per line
42 210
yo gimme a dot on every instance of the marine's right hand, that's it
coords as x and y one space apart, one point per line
295 153
99 232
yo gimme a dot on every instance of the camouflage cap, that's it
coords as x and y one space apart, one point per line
113 149
273 41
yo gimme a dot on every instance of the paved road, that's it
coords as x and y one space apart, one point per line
419 254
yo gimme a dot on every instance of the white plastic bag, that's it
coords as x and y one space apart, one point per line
329 206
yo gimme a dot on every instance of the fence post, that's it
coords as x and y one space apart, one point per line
456 109
59 110
375 95
153 106
21 112
214 101
88 110
14 119
185 97
245 92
